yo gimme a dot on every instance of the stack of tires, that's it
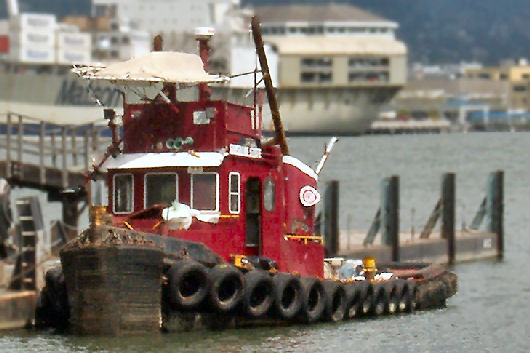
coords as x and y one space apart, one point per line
255 294
224 290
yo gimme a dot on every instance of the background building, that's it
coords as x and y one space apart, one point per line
333 45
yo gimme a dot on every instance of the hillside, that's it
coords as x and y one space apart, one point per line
435 31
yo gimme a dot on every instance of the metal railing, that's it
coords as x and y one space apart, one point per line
67 148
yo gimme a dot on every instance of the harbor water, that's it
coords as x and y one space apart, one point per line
491 311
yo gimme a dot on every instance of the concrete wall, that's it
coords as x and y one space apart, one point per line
398 69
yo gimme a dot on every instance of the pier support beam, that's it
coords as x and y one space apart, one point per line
331 218
70 203
495 208
448 215
390 214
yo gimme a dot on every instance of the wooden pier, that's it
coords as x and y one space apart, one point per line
54 159
46 156
409 127
446 246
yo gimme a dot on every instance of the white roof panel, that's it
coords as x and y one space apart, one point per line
295 162
161 160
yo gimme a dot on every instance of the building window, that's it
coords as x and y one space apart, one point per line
368 62
234 197
205 191
308 77
519 88
317 62
122 193
324 77
269 194
160 188
368 77
316 77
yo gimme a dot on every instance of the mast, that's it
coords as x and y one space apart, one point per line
279 138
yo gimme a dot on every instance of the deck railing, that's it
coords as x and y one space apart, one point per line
50 147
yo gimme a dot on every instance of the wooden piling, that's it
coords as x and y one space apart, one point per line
448 215
42 169
390 214
331 218
64 169
8 145
70 203
495 208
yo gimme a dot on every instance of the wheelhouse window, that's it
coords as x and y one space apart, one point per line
269 194
233 192
160 188
205 191
123 193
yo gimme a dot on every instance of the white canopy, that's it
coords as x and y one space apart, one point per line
160 66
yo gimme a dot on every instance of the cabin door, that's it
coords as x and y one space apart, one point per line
253 213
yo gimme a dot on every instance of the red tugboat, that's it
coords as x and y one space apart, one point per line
205 218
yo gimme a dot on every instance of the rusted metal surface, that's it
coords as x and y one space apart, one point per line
113 290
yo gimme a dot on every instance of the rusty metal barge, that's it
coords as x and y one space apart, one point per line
206 220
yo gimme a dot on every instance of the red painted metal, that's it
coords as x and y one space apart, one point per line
4 44
286 226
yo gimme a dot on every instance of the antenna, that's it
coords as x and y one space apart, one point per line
324 158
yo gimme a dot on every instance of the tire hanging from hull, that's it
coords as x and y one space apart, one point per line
287 294
313 300
257 294
188 284
225 288
336 301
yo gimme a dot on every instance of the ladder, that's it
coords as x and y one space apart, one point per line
30 224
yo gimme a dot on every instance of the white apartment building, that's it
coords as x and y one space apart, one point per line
333 44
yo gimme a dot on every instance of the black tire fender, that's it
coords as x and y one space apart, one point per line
225 287
411 300
257 294
336 301
394 288
52 309
367 297
313 300
188 284
287 294
380 299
